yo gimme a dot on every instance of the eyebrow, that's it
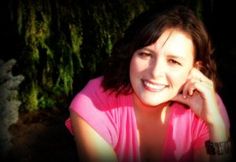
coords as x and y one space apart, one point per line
168 55
146 49
174 56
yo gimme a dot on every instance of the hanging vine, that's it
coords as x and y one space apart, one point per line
50 52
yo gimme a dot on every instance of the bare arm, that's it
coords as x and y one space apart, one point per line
91 146
199 94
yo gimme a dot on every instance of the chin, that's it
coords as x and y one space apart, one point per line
154 102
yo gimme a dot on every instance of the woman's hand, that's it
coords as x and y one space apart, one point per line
199 94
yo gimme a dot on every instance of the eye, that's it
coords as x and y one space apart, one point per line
174 62
144 54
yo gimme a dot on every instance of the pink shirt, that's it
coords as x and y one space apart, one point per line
114 119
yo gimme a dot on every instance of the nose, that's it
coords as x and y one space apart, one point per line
157 68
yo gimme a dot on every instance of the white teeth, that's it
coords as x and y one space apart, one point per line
154 86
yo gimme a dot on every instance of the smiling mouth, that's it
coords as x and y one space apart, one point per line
154 87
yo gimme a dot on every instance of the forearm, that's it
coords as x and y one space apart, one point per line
220 139
219 131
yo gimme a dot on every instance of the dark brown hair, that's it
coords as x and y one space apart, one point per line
145 30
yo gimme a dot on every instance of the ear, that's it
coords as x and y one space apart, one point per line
198 65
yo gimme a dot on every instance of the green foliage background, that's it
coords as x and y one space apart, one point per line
61 44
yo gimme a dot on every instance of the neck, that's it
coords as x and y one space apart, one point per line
149 113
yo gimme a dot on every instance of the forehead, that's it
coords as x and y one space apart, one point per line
175 41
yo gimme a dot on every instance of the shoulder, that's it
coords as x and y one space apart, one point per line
186 123
102 110
179 109
93 85
94 95
184 115
91 94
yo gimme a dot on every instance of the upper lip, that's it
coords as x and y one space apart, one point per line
155 83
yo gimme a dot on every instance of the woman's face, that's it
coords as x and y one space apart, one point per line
158 71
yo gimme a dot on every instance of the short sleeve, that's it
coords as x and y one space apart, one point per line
94 106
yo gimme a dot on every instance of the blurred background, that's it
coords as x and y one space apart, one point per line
51 48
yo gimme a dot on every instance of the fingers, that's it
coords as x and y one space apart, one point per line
192 101
199 76
199 94
189 87
197 81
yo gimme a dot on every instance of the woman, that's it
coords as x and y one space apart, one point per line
157 101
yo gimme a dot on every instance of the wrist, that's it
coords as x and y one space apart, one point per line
218 148
219 132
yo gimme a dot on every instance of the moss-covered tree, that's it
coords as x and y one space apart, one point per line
62 44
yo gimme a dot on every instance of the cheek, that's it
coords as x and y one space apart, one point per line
136 66
178 78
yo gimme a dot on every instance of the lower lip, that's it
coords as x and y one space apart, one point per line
152 89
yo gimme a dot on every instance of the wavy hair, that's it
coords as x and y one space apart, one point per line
145 30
